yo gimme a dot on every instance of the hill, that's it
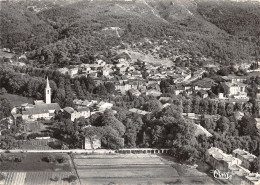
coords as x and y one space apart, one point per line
71 33
19 24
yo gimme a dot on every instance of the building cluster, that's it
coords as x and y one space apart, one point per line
47 110
39 110
237 164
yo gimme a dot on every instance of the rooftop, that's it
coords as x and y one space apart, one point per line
69 110
245 154
220 155
41 108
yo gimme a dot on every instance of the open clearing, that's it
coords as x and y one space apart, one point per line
135 169
16 100
136 55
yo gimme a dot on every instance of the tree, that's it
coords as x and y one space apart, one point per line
247 126
153 106
108 119
222 125
100 90
110 87
255 165
130 134
5 108
7 142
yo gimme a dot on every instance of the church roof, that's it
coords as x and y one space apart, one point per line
41 108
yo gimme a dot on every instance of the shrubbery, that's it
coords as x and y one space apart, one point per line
52 158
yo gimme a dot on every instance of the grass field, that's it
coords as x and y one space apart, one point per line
16 100
34 162
136 169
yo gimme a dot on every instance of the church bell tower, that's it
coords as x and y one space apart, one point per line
48 93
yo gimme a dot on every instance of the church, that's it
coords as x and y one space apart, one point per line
40 109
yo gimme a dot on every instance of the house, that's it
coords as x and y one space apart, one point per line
252 179
203 93
220 160
238 174
166 105
73 71
138 111
165 99
93 143
63 70
257 123
177 89
236 89
235 79
192 116
134 92
235 166
203 84
153 92
244 156
100 63
23 56
72 114
102 106
105 72
85 103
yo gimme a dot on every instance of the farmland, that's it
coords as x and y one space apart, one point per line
33 162
135 169
32 169
33 178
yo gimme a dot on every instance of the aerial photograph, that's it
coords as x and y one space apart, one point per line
129 92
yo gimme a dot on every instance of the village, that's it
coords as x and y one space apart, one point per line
137 78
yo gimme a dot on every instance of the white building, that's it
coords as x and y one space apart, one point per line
72 114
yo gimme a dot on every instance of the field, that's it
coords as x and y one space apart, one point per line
34 162
135 169
36 178
16 100
32 170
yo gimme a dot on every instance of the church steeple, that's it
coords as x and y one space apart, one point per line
47 93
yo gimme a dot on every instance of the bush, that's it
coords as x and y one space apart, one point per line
61 159
71 178
56 178
49 159
17 159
